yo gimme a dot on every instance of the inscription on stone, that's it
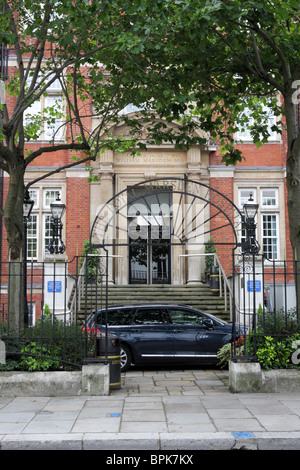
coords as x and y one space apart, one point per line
161 159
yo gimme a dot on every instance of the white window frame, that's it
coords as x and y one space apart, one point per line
45 245
276 237
54 190
32 306
34 195
47 212
29 237
46 132
252 191
245 136
263 210
41 210
269 206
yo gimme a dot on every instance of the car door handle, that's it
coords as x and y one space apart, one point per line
178 331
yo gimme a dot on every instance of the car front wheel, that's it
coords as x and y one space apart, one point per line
125 358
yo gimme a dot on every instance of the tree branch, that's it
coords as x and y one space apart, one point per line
257 56
55 148
6 154
277 49
267 78
4 167
36 54
32 97
58 170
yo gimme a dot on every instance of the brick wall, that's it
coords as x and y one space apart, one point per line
223 238
77 228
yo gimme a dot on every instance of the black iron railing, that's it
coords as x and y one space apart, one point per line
52 335
266 321
62 294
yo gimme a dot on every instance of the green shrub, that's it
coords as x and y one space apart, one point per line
209 260
271 352
224 353
49 344
92 269
46 309
52 338
35 358
279 323
10 365
276 353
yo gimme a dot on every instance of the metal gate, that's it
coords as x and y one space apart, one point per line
157 232
161 227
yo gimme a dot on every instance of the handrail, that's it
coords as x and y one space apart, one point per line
78 286
222 275
224 284
81 278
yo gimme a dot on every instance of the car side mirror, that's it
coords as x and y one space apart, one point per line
208 323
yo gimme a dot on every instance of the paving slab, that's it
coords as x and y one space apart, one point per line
155 410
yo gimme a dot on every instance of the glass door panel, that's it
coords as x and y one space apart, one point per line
149 230
160 260
138 262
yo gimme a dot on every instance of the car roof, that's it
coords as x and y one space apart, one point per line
152 304
161 305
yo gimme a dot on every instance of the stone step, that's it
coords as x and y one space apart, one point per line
197 296
126 300
151 288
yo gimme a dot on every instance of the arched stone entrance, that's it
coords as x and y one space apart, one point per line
155 231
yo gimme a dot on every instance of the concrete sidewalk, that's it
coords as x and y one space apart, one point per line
155 410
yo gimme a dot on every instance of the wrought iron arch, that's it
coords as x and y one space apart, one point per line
110 225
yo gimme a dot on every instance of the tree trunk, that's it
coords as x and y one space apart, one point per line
293 187
13 215
13 222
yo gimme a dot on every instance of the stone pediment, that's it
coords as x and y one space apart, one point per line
122 129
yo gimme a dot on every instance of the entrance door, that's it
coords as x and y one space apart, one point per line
149 261
149 233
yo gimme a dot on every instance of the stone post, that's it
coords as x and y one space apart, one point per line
55 286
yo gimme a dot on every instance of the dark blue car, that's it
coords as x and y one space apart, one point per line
163 334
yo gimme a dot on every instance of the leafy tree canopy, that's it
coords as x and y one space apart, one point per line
217 59
201 63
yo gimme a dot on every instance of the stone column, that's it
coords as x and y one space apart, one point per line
192 217
106 178
178 262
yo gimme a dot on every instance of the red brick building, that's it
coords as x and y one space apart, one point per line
261 174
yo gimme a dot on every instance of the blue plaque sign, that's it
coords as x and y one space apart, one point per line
54 286
251 286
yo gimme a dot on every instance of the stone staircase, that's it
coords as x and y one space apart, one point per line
198 296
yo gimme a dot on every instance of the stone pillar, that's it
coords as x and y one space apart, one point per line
178 261
106 178
55 287
2 352
193 217
249 289
245 377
